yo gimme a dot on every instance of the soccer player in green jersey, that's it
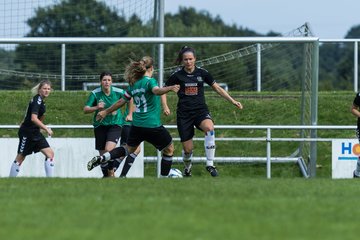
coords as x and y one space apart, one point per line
108 131
146 124
130 108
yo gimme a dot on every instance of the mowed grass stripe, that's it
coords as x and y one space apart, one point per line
197 208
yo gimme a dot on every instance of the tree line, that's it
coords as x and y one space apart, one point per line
89 18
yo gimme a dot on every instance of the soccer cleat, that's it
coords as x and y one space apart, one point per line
187 172
355 176
212 170
94 162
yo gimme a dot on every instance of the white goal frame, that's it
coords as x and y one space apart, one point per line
164 40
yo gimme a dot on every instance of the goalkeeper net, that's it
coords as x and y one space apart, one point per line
285 67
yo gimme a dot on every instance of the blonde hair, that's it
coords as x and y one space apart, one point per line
136 69
35 89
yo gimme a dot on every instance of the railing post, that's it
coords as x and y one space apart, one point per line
314 108
356 60
258 68
268 153
161 33
63 59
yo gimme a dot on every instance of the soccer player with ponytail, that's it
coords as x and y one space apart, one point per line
30 138
146 124
192 109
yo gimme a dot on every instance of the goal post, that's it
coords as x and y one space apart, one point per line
309 85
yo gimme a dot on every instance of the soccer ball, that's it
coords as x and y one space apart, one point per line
175 173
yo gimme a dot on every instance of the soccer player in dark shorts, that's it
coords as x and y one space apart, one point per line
107 132
146 124
355 110
192 109
125 132
30 138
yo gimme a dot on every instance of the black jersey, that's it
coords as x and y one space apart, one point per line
357 103
191 93
36 106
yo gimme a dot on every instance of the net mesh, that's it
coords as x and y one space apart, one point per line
284 66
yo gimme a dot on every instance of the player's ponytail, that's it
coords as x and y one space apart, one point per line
183 50
136 69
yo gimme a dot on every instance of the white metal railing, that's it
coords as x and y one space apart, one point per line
268 139
86 85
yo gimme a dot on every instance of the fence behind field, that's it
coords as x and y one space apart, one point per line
305 166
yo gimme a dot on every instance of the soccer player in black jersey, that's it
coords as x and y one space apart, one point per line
192 109
30 138
355 110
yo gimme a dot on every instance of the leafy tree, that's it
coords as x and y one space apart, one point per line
336 63
6 63
80 18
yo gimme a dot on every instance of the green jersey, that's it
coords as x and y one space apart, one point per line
97 95
147 111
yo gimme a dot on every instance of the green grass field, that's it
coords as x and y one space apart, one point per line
197 208
240 204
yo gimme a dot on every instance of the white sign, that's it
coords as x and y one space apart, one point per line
345 153
71 158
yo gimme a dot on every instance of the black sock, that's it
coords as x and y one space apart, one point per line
117 163
104 170
166 163
118 152
111 165
128 163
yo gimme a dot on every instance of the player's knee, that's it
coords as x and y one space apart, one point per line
208 128
50 154
187 150
108 148
169 150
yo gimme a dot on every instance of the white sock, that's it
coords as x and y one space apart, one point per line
107 156
49 167
15 169
210 147
187 159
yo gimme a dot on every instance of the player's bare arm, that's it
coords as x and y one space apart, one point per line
355 110
216 87
40 124
99 106
163 90
102 114
165 107
131 107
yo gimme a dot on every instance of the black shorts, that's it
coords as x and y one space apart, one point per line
104 134
159 137
187 120
31 142
124 134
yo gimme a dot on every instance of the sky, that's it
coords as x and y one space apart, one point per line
328 19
